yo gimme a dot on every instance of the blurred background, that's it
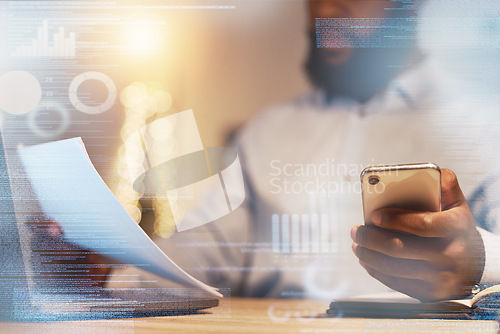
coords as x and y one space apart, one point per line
102 70
226 60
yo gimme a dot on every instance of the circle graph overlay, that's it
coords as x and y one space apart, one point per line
20 92
41 132
92 75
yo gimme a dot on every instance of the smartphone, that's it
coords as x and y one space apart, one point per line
415 187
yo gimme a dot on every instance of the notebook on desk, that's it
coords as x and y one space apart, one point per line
24 300
395 305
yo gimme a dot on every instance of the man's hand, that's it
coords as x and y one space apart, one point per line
426 255
59 263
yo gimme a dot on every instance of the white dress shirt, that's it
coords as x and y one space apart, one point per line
301 161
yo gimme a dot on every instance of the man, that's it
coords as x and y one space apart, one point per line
425 255
302 160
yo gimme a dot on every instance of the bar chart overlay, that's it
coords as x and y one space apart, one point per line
59 43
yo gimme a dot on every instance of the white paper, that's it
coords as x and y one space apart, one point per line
72 193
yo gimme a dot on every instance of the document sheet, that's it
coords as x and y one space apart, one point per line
71 192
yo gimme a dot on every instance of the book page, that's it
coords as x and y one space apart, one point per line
72 193
397 301
385 297
489 296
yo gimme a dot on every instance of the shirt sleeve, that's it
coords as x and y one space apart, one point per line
491 272
485 206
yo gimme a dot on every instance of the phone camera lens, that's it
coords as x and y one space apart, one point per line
373 180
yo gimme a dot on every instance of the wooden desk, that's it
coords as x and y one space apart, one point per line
238 315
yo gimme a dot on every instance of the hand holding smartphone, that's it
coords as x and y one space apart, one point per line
418 245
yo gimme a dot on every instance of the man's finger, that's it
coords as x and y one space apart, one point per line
48 228
54 229
425 224
43 226
395 244
395 267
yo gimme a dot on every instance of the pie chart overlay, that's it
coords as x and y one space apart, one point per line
200 184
